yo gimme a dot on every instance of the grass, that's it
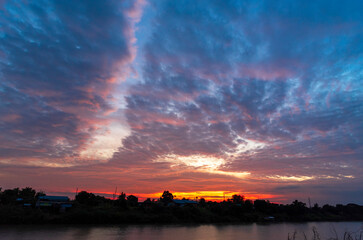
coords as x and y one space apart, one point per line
316 236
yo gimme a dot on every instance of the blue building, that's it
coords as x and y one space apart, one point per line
184 202
57 202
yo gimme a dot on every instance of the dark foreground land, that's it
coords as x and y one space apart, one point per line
22 207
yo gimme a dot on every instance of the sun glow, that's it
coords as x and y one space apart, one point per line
209 195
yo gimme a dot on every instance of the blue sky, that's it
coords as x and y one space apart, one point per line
258 98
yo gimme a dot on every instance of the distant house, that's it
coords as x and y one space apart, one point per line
184 202
269 218
26 204
58 202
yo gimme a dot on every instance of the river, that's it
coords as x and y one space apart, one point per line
276 231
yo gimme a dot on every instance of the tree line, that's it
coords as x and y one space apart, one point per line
91 208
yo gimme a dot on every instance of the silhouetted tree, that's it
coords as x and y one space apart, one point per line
261 205
248 205
297 208
202 202
328 208
91 199
238 199
28 194
82 197
39 194
122 196
132 200
316 207
122 201
86 198
9 196
167 197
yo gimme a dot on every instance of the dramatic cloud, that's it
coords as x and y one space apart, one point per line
60 61
261 98
273 90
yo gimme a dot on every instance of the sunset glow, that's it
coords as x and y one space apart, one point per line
202 98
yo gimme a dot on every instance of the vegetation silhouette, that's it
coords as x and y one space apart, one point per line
166 197
316 236
20 206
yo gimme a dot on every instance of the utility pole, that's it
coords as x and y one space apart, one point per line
113 197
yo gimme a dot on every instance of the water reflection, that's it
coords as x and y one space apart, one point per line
179 232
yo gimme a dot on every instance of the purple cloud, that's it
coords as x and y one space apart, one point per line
266 95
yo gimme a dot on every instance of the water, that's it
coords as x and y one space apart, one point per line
278 231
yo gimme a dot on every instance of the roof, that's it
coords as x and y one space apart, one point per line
54 198
184 201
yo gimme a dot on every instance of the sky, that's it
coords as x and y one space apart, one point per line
202 98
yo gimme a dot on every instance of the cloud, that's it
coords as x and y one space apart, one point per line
280 83
60 63
272 88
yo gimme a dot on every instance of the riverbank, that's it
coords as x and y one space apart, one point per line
159 214
26 206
